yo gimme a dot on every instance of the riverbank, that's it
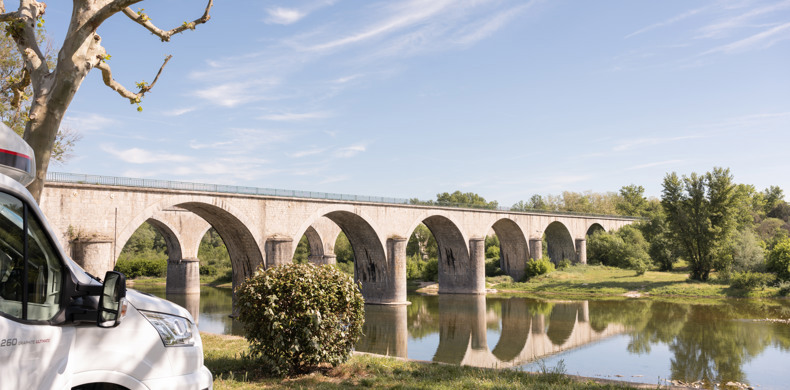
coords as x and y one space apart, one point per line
581 281
212 281
600 281
224 357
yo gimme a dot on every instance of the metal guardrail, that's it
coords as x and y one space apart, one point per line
61 177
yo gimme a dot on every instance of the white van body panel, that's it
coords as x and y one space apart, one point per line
34 356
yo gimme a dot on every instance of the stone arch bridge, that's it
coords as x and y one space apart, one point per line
94 216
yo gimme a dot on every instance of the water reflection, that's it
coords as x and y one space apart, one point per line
637 340
210 309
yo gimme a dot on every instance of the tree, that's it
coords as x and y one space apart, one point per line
15 100
422 243
699 213
779 260
773 196
54 86
464 199
632 201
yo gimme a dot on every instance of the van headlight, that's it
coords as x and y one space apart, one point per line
174 330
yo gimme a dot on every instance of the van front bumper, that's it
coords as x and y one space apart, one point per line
199 380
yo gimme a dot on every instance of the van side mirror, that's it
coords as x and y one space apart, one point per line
112 302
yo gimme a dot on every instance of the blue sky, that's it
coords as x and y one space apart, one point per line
411 98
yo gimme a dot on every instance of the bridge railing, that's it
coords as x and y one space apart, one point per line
60 177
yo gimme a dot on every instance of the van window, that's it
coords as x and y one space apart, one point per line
30 273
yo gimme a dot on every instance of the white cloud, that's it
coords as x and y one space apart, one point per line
290 117
194 144
309 152
234 93
667 22
88 122
279 15
488 27
408 14
654 164
142 156
346 79
350 151
764 39
179 111
723 27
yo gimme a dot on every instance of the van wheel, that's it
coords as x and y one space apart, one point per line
99 386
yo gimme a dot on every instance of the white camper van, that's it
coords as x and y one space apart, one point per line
62 328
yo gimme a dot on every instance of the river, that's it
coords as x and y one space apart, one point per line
638 340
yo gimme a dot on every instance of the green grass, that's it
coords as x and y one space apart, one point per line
215 281
587 280
224 357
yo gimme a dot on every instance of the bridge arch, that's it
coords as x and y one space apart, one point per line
513 247
233 226
459 271
314 242
559 243
593 228
373 268
172 238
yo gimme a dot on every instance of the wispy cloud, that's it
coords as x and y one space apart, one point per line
634 143
290 117
232 94
654 164
350 151
306 153
194 144
88 122
279 15
487 27
179 111
724 26
761 40
667 22
403 16
142 156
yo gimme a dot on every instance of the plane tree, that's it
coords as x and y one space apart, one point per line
54 86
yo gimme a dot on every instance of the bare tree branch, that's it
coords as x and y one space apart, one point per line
133 97
143 20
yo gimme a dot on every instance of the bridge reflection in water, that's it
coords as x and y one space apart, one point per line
529 329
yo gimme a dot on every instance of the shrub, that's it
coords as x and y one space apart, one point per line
142 266
208 270
347 267
431 270
748 280
779 260
784 289
417 268
297 316
539 267
493 266
625 248
565 263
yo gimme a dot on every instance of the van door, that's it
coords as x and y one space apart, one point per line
33 352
